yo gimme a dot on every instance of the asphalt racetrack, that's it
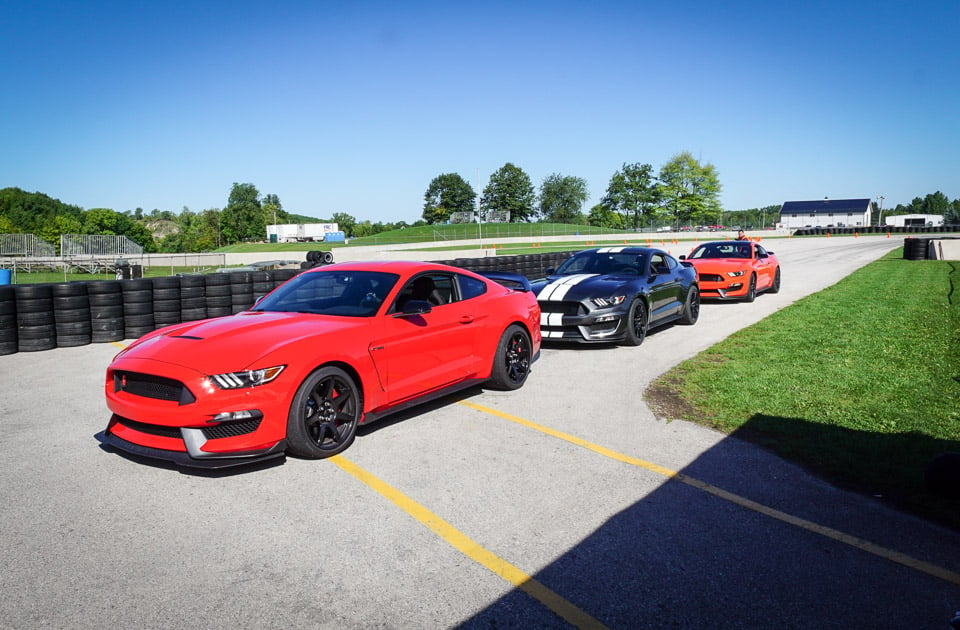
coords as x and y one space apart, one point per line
566 503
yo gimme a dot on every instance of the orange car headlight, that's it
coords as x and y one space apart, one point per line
735 274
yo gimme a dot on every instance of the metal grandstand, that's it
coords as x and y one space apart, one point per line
96 252
91 252
25 245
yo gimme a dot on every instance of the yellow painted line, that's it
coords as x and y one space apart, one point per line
470 548
810 526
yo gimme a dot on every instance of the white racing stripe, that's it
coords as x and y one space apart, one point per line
551 319
555 291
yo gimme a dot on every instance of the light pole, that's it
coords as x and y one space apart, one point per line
880 207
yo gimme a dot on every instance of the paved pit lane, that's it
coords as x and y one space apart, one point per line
552 506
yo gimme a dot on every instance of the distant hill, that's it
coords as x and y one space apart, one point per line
161 228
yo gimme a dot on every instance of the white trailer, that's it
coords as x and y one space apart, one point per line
299 232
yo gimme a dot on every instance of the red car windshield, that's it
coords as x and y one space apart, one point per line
344 293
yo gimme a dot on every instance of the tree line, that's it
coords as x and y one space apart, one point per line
682 192
245 218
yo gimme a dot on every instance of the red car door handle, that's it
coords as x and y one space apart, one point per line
466 319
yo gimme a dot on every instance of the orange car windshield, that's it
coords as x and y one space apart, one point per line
722 250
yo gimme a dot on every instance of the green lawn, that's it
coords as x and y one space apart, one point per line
860 382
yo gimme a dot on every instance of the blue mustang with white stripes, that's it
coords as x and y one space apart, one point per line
615 295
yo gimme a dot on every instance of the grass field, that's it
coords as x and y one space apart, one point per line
859 383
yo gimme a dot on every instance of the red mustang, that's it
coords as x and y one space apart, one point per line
331 349
735 270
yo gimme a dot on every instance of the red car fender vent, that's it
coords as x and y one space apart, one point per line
231 429
150 386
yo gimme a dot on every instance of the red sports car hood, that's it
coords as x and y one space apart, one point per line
232 343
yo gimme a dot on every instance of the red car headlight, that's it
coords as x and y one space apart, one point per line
246 378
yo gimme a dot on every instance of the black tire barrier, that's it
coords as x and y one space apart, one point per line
36 328
262 283
217 291
166 301
241 291
106 311
282 275
916 248
137 298
33 318
193 301
8 320
71 313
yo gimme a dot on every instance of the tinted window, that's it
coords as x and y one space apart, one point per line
471 287
346 293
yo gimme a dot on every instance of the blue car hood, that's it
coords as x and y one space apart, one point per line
577 287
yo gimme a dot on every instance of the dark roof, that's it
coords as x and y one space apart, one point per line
823 206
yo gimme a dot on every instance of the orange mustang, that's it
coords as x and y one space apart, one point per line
735 270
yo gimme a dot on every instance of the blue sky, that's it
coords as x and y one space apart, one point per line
356 106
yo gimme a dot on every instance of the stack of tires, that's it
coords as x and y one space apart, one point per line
71 314
106 310
166 301
8 320
217 292
241 290
262 283
916 248
137 308
193 303
282 275
36 328
316 258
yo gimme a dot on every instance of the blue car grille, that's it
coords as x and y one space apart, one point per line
564 308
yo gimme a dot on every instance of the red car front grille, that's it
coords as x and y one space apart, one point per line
149 386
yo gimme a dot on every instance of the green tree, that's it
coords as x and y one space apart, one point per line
950 217
447 193
690 192
61 224
345 223
936 203
104 221
603 216
509 190
562 198
30 212
633 192
243 217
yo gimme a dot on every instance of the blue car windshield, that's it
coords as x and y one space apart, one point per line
334 292
604 263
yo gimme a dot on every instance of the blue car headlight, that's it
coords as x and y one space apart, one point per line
607 302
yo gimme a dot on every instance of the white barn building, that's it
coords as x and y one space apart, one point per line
825 213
